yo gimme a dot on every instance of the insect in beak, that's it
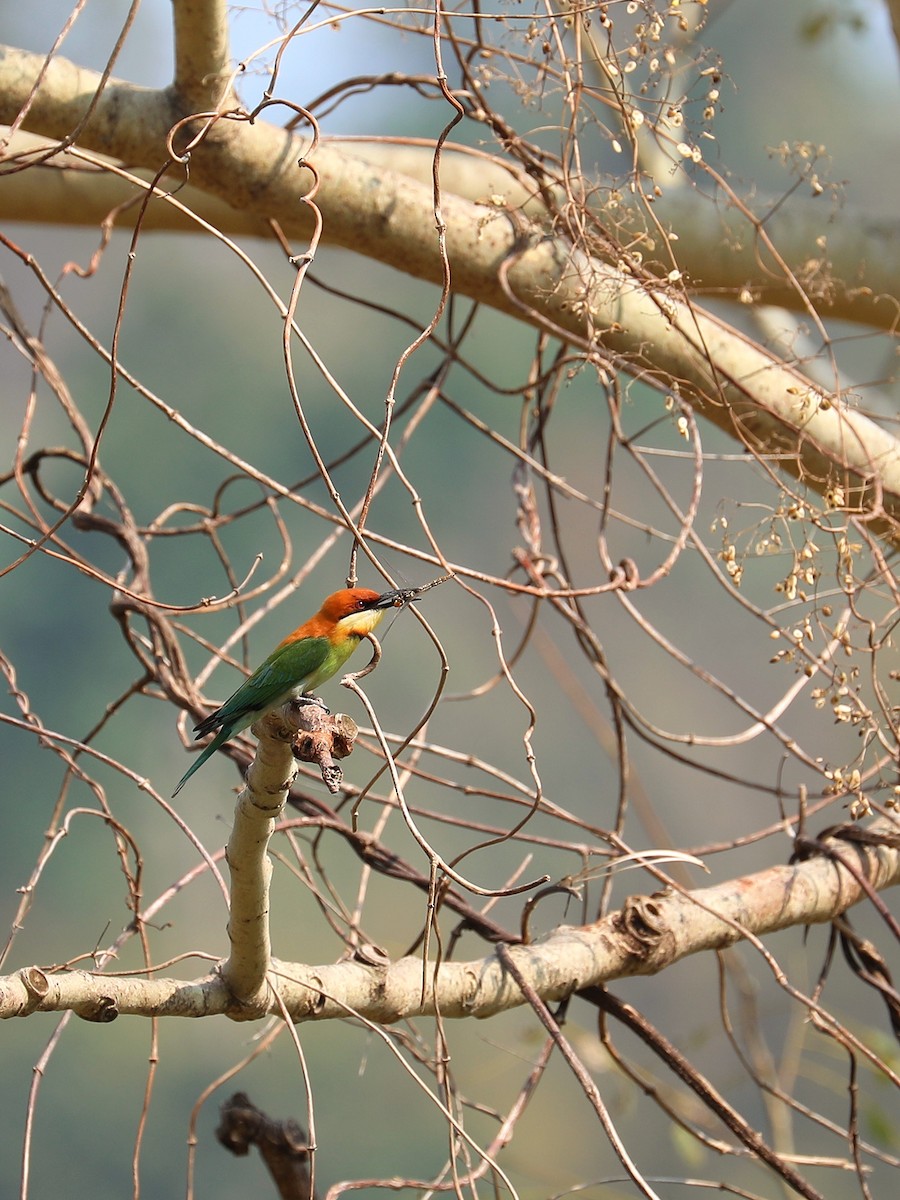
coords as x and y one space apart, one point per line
397 598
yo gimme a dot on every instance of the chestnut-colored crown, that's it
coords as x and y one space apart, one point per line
348 601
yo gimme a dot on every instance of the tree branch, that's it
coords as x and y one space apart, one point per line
718 247
202 53
647 935
258 807
653 333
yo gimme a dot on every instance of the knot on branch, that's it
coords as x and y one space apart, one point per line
644 929
315 735
101 1011
37 987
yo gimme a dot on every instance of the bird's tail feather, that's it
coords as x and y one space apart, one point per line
221 737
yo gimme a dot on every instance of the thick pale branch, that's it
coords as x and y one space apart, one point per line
258 807
69 188
652 333
128 123
848 261
851 275
202 53
647 935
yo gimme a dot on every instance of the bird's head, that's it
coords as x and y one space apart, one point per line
358 610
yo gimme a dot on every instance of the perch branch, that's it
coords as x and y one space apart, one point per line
648 934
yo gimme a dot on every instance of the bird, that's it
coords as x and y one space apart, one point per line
314 652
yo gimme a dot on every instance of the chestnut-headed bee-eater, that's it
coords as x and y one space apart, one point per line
303 661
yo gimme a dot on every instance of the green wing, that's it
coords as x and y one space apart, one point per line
285 670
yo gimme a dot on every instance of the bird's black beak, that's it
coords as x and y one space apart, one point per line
397 598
